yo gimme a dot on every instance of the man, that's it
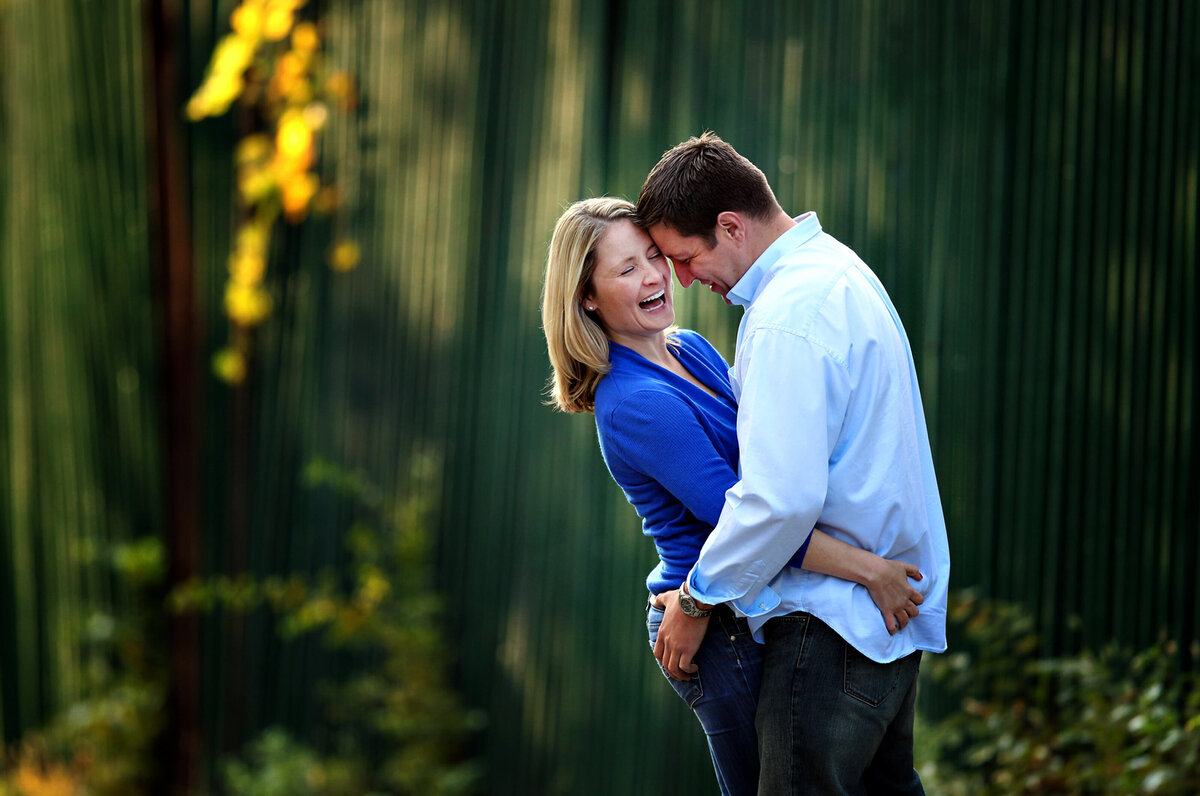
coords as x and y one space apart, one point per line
832 435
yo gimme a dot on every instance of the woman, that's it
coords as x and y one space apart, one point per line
666 418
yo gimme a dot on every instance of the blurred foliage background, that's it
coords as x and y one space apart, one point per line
1023 176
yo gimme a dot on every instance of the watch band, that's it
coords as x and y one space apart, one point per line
687 604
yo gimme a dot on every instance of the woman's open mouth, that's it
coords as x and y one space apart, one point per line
655 302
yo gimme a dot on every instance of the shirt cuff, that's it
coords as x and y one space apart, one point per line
766 600
762 601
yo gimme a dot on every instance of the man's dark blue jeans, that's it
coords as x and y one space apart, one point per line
830 720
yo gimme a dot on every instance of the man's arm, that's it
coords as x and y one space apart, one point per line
794 395
680 636
789 418
662 437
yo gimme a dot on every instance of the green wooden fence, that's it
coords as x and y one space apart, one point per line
1024 177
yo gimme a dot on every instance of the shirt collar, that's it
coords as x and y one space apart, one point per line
748 287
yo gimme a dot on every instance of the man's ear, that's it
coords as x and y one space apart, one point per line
730 224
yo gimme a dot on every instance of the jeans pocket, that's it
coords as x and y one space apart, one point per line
790 632
654 617
868 681
690 691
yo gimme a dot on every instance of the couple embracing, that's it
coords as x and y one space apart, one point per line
803 559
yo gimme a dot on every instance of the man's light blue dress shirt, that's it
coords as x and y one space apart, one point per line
671 446
832 435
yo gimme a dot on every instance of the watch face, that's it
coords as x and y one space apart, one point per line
689 605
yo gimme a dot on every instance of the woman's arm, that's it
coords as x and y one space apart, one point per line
886 580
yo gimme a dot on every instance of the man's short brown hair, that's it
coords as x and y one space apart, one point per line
697 180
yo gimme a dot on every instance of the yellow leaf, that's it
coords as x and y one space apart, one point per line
247 268
247 20
345 256
198 106
315 114
278 22
229 366
254 147
294 139
221 90
233 54
297 193
305 37
290 65
252 238
255 184
246 305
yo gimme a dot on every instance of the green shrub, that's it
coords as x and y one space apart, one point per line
1112 721
396 725
102 743
278 765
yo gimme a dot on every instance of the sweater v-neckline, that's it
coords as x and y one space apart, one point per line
677 350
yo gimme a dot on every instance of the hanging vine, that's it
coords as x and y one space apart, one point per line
271 62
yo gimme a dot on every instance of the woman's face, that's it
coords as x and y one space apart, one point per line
631 285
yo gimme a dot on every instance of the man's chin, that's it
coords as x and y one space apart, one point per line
721 293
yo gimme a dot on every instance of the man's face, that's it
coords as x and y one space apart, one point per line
714 267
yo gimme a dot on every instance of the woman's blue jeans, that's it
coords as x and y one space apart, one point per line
724 695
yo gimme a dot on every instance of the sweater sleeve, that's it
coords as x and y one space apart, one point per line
660 435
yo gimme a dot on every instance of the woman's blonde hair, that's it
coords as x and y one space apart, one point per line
575 339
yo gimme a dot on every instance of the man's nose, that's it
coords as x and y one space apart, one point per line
684 276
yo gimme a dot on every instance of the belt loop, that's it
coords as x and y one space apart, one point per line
728 619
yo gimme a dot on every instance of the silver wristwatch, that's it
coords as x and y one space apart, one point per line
687 604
